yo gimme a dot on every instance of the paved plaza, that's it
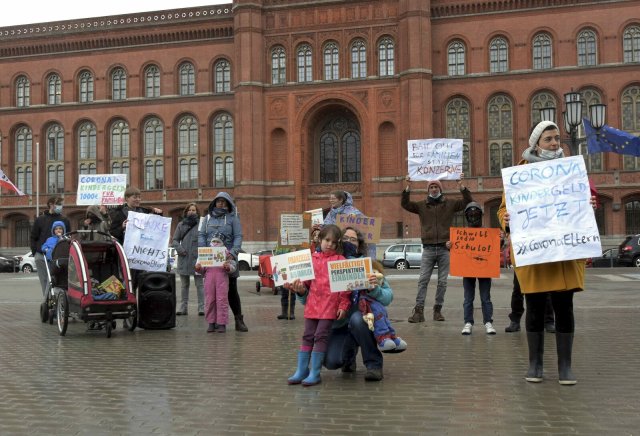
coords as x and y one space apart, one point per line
184 381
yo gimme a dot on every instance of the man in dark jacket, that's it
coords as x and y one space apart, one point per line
436 215
40 231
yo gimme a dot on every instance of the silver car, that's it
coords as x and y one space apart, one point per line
403 256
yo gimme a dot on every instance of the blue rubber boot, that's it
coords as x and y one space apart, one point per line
303 368
316 365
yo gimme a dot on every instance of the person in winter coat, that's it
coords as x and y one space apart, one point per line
559 279
132 199
97 219
222 221
341 203
185 242
436 215
322 307
58 229
40 231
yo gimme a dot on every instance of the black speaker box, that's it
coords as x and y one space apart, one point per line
156 300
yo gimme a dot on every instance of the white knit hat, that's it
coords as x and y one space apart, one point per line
537 131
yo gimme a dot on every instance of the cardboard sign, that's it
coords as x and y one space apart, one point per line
97 189
435 159
475 252
316 216
285 268
211 256
294 230
369 226
550 215
146 241
349 274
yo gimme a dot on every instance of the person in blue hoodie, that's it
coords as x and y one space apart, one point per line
58 229
222 221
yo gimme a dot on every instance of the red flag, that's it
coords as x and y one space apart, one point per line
8 184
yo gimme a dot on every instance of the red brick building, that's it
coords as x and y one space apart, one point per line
280 102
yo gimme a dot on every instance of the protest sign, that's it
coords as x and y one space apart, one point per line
211 256
551 218
294 230
369 226
431 159
317 218
285 268
349 274
97 189
475 252
146 241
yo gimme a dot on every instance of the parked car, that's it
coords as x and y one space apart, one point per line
609 259
629 251
248 261
403 256
9 263
28 263
173 259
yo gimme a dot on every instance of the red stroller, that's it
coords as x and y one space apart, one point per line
265 274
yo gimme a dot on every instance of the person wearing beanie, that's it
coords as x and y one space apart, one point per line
436 215
560 279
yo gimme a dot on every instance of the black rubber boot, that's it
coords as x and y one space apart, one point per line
240 325
285 312
535 340
564 346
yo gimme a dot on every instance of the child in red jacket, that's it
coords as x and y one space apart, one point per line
322 307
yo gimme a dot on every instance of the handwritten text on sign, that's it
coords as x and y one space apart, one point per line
431 159
369 226
146 241
551 218
475 252
96 189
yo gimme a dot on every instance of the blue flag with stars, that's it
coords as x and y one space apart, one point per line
610 139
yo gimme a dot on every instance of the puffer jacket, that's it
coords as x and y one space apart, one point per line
347 208
321 303
52 241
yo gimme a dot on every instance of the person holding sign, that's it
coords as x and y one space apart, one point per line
341 203
132 199
436 215
97 220
559 279
322 308
185 241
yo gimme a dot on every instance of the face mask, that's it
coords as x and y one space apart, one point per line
550 154
349 249
57 209
435 197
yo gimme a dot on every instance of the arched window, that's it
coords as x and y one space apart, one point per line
593 161
24 159
358 59
500 128
152 81
632 217
223 151
23 92
223 76
87 148
631 122
587 48
456 58
331 62
54 89
305 71
187 79
542 51
339 151
498 55
153 153
278 66
188 152
120 148
118 84
540 101
85 84
386 57
55 159
459 126
631 44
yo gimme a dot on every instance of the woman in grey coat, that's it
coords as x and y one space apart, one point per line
185 241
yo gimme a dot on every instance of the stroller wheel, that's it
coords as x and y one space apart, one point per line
44 312
52 315
62 310
258 286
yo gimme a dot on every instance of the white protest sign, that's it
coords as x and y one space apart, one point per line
291 266
146 241
550 214
97 189
435 159
350 274
211 256
316 216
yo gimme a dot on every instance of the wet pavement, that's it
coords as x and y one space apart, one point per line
185 381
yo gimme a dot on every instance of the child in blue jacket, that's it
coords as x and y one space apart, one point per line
58 229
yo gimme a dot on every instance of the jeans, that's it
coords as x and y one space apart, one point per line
185 281
484 285
562 302
344 342
430 257
41 266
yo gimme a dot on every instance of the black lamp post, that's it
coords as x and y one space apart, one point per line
572 117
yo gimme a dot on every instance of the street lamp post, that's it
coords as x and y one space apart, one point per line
572 117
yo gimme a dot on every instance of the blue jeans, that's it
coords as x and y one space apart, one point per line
344 342
469 285
432 256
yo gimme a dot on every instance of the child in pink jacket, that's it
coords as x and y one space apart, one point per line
322 307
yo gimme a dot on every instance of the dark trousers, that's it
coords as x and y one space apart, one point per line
316 334
345 341
562 302
517 304
234 297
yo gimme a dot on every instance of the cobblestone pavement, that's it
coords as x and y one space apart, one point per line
187 382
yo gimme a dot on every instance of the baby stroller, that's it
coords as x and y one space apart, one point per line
265 274
76 272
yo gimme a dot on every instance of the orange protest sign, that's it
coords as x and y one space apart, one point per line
475 252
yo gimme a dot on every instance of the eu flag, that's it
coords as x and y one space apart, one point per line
610 139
